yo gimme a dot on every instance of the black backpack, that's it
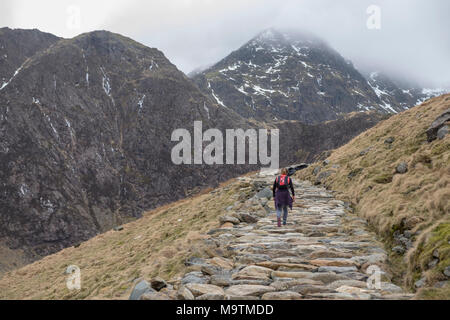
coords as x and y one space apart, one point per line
282 183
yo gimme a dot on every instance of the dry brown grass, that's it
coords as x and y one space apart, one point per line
156 244
418 200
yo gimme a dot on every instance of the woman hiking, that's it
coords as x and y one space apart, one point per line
283 199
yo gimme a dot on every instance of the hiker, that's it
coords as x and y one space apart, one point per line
281 195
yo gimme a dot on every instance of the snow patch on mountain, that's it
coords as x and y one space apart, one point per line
5 84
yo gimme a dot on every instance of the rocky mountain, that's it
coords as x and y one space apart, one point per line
85 129
18 45
286 75
85 139
299 141
400 94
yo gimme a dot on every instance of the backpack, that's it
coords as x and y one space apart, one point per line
283 183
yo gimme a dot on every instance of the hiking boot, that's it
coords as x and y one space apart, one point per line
279 222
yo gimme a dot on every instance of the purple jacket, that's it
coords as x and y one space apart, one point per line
282 196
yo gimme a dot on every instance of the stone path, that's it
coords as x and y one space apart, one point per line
324 252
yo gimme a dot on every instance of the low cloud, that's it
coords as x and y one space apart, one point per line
412 42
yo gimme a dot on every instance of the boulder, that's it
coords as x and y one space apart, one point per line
316 170
329 254
300 166
420 283
442 132
447 271
248 218
194 277
253 273
337 269
291 275
389 140
227 225
211 270
333 296
437 124
441 284
233 297
199 289
142 287
286 266
401 168
211 296
282 285
436 253
398 250
221 262
433 263
350 283
225 219
355 276
154 296
323 176
281 295
248 290
265 193
306 289
376 258
170 292
359 292
184 294
194 261
365 151
333 262
220 280
158 283
390 288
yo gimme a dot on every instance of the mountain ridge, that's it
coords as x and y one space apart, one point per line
296 76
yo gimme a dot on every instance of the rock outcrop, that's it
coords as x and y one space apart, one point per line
442 124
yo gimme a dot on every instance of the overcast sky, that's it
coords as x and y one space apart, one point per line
413 39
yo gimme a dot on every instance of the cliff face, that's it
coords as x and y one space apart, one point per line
299 141
18 45
85 140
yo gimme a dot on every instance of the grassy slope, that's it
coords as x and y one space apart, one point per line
156 244
418 200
